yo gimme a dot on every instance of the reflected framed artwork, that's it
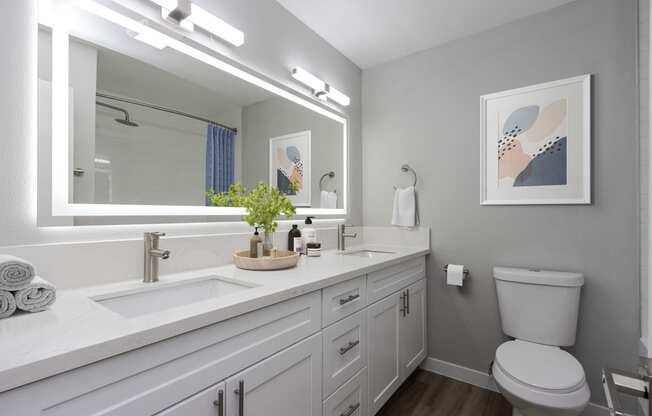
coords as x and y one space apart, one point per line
289 166
536 144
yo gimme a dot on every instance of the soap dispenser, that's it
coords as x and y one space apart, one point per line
255 245
294 239
309 232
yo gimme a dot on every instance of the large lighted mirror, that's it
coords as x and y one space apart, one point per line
144 125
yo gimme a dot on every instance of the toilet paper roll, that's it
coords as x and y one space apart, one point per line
455 274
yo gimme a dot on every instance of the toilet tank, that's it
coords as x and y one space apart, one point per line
539 306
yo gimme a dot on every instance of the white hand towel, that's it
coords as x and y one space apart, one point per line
15 273
405 207
328 200
7 304
37 296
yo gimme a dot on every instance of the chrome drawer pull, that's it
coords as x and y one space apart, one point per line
351 410
219 403
240 392
349 347
407 307
348 299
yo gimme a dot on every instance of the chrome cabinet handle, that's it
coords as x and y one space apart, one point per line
351 410
240 392
348 347
348 299
407 295
403 305
219 403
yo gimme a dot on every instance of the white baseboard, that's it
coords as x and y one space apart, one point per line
485 381
459 373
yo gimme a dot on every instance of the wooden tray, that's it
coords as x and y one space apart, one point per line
283 260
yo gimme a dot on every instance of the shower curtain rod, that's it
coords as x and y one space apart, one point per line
165 109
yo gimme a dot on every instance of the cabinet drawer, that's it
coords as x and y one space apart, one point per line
345 346
384 282
153 378
343 299
350 399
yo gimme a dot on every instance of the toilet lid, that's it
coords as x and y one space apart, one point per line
540 366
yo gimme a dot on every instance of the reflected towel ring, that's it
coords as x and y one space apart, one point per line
331 175
407 168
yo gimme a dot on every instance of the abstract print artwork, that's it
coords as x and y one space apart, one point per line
536 144
532 146
289 166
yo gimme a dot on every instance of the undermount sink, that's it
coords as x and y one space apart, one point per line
367 253
156 297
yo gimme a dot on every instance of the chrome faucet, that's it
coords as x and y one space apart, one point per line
342 235
152 255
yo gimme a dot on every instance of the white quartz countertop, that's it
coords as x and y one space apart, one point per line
78 331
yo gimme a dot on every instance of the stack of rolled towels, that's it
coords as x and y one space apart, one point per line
21 288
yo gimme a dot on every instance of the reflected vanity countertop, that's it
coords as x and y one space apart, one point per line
78 331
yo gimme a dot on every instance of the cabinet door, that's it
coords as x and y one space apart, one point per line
412 328
383 358
209 402
286 384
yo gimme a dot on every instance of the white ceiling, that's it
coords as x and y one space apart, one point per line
370 32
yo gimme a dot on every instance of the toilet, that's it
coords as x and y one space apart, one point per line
539 310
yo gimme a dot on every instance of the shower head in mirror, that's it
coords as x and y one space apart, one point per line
126 122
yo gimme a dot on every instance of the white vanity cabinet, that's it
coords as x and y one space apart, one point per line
151 379
339 351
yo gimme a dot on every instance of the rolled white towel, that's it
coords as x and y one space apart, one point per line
36 296
7 304
15 273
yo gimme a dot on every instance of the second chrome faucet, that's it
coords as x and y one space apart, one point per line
152 256
342 235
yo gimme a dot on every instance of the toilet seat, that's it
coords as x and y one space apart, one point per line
540 374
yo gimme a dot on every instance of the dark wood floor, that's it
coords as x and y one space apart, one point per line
428 394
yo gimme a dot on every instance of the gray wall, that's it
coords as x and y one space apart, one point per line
277 117
424 110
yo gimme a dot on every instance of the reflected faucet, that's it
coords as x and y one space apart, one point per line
342 235
152 255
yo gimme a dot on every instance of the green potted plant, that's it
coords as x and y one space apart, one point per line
264 205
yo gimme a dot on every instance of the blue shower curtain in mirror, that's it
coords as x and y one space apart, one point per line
219 158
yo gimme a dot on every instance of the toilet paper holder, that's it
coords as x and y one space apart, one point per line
465 271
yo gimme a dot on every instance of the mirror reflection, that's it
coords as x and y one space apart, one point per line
151 126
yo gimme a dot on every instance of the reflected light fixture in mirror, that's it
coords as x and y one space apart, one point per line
320 88
187 15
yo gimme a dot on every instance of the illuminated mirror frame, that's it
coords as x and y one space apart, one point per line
60 128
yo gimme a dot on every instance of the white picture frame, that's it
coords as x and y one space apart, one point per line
547 159
278 149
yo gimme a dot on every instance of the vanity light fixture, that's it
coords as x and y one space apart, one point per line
320 89
187 15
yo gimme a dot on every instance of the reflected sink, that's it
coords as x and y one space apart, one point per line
367 253
156 297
